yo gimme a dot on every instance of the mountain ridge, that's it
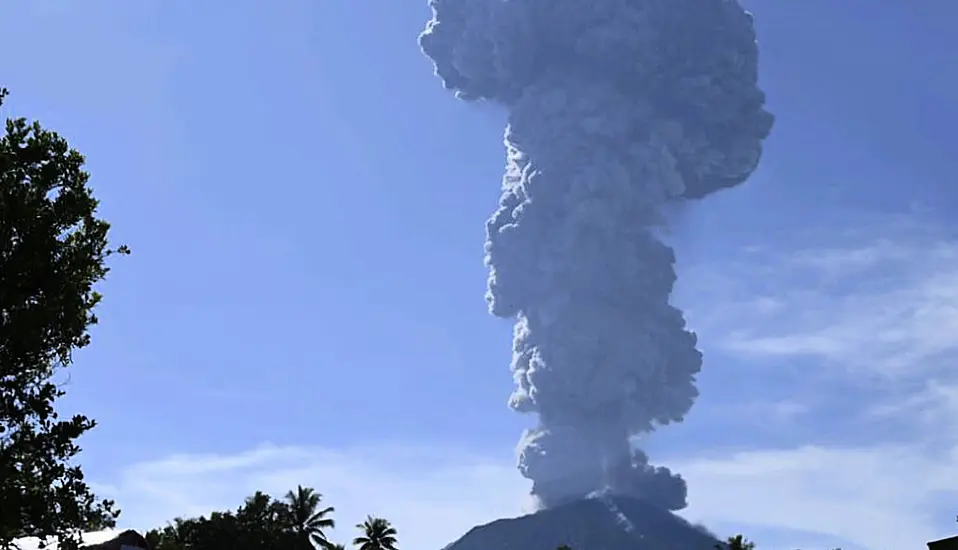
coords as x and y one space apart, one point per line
599 522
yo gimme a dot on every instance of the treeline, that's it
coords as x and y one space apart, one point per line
298 521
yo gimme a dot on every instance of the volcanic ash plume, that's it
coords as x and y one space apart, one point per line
616 107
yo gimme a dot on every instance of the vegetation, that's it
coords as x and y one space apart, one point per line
53 250
298 522
307 518
378 534
738 542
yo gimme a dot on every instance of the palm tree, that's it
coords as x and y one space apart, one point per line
337 546
378 534
308 521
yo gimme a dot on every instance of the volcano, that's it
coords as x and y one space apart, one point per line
599 522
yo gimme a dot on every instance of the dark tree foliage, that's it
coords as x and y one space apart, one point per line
377 534
298 522
53 250
738 542
309 520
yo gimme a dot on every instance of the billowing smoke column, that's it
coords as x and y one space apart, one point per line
616 107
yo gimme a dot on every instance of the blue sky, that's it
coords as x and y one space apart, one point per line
304 303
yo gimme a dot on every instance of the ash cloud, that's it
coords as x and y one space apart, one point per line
616 107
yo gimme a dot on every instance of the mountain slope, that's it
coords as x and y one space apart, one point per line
598 523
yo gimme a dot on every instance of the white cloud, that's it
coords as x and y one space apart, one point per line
874 497
885 308
432 494
877 310
935 406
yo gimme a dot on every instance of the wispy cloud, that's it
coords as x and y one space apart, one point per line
872 497
432 493
878 308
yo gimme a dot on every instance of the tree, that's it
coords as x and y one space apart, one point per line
221 531
261 523
308 521
53 250
378 534
738 542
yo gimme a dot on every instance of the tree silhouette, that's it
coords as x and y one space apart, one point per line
308 521
53 250
378 534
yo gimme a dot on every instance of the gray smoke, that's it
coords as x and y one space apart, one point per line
616 107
